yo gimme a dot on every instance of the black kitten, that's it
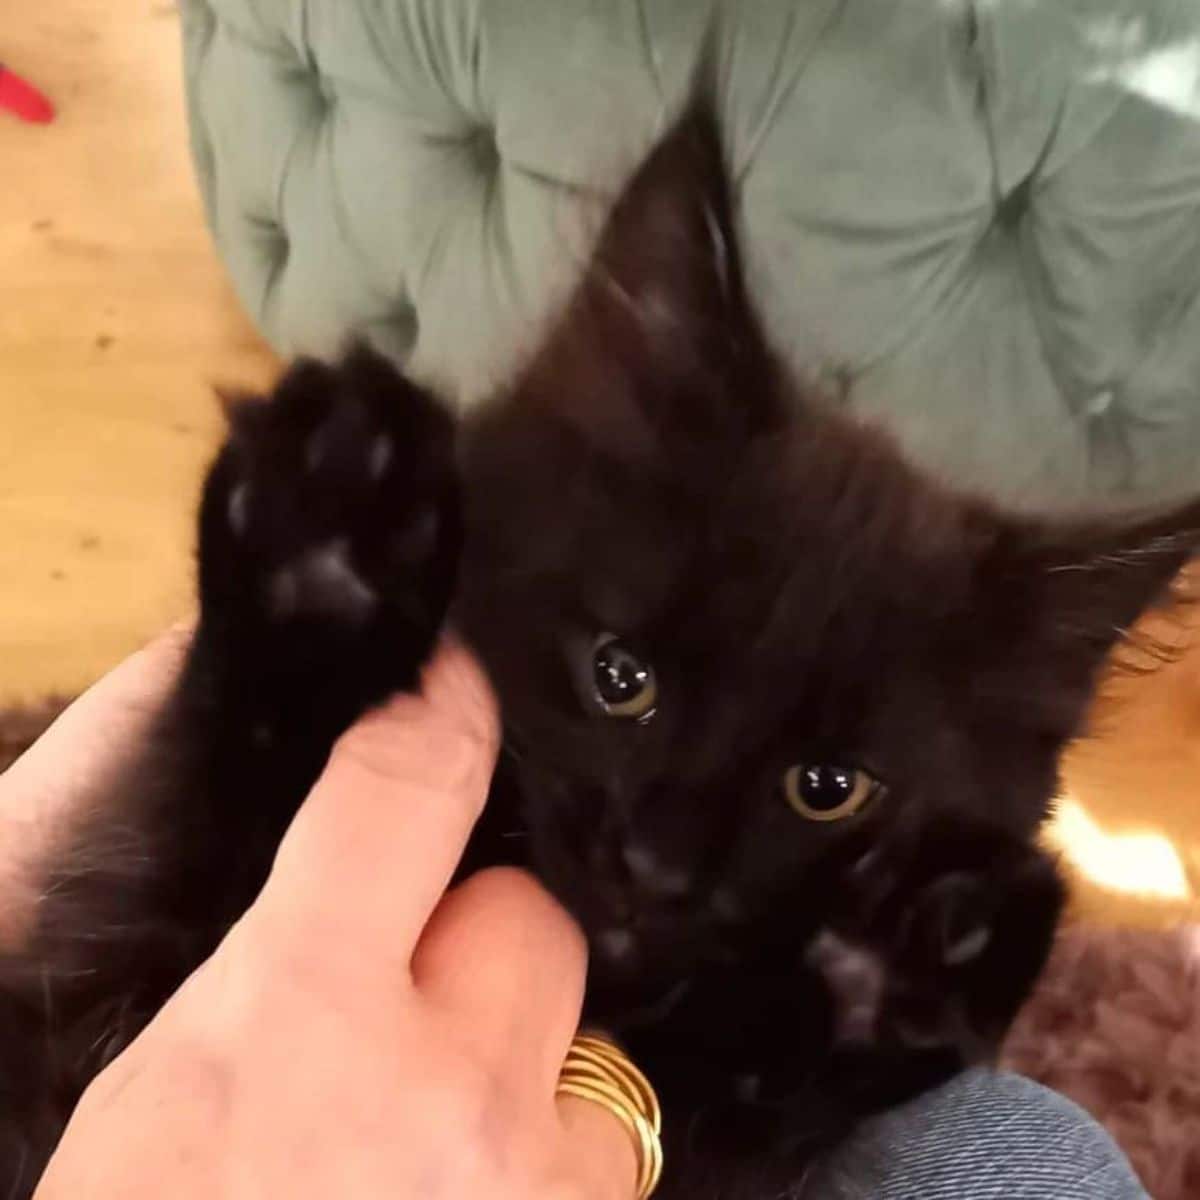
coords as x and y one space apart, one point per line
782 715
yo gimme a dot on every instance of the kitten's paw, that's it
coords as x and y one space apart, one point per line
330 520
941 949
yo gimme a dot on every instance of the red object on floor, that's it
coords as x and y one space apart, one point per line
24 99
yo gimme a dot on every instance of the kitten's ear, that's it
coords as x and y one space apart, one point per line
237 404
1066 597
660 326
667 261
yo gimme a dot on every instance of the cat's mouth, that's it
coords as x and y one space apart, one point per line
628 1012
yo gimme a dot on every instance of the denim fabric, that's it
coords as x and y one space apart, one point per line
983 1136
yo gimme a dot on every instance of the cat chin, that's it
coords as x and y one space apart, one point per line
632 984
615 945
626 1012
856 978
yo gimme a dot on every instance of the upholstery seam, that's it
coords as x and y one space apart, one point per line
648 49
756 139
1023 250
1168 330
285 168
305 40
343 225
541 176
434 71
475 57
281 55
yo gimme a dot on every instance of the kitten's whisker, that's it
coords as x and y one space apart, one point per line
19 1174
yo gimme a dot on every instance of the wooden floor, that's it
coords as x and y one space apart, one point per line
117 320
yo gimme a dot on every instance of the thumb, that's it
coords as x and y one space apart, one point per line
378 839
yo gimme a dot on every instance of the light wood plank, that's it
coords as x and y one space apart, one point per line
116 319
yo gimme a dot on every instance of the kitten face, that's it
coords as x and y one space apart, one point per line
717 616
753 651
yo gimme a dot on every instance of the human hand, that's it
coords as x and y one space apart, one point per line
358 1032
70 772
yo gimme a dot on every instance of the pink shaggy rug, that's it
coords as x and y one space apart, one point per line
1115 1025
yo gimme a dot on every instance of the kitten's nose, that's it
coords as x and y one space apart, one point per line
616 945
654 876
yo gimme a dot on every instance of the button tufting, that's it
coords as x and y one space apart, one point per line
832 382
204 19
1011 210
325 89
484 148
271 239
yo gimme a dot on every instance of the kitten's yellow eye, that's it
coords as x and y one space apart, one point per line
623 684
820 792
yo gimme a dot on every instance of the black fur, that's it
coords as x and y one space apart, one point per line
802 595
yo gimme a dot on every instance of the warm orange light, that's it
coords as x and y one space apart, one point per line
1141 864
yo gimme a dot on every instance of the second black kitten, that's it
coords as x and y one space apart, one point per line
782 715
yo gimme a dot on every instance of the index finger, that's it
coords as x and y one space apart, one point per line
376 842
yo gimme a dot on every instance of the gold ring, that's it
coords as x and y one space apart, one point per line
597 1069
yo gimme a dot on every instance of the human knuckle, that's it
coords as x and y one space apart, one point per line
183 1058
476 1101
519 895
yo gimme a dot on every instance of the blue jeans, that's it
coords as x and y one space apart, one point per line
983 1136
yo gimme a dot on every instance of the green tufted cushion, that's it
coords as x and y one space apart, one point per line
977 221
